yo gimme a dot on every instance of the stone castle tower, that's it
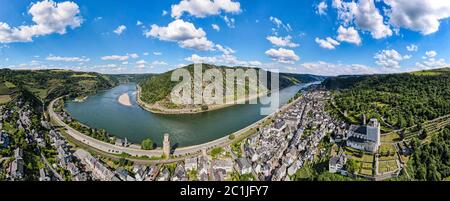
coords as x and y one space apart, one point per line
166 145
373 131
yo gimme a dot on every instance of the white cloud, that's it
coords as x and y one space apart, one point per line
390 58
159 63
215 27
431 54
418 15
49 17
230 22
120 57
164 13
365 15
349 35
202 44
280 23
412 48
368 18
331 69
157 53
225 50
145 53
133 56
115 58
222 59
67 59
283 55
327 43
203 8
282 41
139 23
184 33
120 29
322 8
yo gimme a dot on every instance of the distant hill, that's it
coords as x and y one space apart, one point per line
156 89
49 84
398 100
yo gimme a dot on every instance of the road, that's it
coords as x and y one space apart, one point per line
113 149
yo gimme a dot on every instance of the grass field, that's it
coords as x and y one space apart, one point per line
387 166
4 99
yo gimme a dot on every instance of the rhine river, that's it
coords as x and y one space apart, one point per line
103 110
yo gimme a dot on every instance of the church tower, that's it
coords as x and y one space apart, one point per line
374 131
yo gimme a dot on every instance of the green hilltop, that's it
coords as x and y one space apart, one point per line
157 88
397 100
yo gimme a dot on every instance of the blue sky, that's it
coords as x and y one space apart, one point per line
328 37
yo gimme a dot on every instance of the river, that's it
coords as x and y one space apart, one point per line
103 110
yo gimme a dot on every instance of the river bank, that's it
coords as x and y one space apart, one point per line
158 109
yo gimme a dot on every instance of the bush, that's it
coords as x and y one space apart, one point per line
147 144
231 137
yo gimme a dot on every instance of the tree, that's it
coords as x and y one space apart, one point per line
231 137
147 144
352 166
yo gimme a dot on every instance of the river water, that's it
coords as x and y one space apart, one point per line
103 110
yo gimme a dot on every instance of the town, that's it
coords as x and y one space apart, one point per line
282 145
303 133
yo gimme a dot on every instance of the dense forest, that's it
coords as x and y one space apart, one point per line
158 87
431 162
397 100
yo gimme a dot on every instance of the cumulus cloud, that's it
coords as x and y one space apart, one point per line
49 17
365 15
322 8
368 18
283 55
431 62
327 43
418 15
184 33
203 8
390 58
67 59
412 48
349 35
282 41
215 27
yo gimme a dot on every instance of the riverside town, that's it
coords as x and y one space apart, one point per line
224 99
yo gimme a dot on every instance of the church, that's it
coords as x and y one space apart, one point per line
366 137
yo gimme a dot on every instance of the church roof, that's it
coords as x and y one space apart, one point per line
359 129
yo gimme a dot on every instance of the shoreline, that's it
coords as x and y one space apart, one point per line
178 153
157 109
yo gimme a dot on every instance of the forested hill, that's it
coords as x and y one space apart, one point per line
158 87
398 100
49 84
